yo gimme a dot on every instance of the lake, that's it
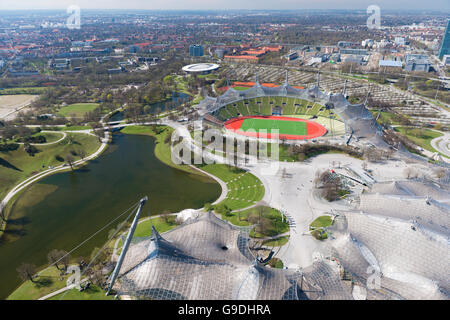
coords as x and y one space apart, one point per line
64 209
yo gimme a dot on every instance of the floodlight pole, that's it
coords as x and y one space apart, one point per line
437 91
126 245
367 98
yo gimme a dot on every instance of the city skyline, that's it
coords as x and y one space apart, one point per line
441 5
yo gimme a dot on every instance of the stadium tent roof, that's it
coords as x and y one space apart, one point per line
401 232
204 258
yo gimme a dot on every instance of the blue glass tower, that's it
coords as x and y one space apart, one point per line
445 46
195 50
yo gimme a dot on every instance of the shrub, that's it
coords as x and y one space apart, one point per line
223 209
276 263
319 234
208 207
31 150
5 147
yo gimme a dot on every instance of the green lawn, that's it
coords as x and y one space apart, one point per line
275 227
24 90
275 224
321 222
47 282
67 128
50 136
278 242
144 229
388 117
77 109
240 88
50 281
75 128
420 136
316 227
276 263
244 189
92 293
284 127
17 165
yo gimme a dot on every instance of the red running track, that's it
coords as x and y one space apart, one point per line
313 129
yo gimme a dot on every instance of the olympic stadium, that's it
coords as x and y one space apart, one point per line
298 114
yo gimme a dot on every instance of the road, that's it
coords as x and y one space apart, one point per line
442 144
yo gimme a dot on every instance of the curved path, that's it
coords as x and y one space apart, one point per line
64 135
224 193
442 144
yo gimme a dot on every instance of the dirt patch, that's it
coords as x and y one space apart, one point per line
10 105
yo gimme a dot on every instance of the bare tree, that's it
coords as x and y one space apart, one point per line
440 173
53 258
3 214
165 216
330 184
81 153
408 172
27 271
70 139
65 258
69 159
259 219
81 261
100 134
96 275
364 165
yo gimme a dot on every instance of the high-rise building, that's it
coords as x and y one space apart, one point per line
445 46
195 50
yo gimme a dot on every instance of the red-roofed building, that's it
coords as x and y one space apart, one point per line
254 52
273 48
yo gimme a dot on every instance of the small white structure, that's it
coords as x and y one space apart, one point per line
187 214
200 68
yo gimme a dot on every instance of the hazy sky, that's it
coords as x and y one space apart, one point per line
226 4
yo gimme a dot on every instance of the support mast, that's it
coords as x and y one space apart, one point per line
126 245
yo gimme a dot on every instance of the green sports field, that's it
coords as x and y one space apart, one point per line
284 126
77 109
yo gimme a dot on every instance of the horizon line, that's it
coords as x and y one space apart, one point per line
443 11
